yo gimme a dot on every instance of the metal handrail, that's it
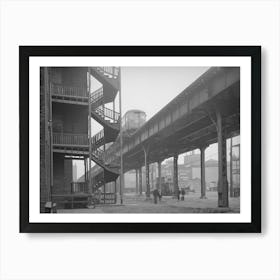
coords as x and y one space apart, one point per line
96 95
77 187
97 137
112 71
70 139
73 91
108 113
99 154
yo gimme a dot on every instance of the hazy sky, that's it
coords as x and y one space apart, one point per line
151 88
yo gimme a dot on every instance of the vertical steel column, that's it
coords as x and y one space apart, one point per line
104 188
140 180
136 173
222 155
202 172
89 133
159 175
175 174
115 201
121 141
231 179
148 191
152 175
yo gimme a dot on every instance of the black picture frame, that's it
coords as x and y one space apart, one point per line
25 52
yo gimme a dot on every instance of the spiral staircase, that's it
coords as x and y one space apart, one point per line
110 120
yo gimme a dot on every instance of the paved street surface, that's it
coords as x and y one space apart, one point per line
139 204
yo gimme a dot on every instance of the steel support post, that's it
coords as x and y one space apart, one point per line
159 175
222 156
175 174
147 174
140 180
202 172
115 191
231 173
137 187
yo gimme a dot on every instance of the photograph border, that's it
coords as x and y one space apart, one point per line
25 52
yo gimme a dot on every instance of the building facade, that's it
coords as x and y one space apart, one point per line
68 106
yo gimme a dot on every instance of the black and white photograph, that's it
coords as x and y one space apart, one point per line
140 139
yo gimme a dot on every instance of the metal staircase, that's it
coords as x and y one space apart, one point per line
107 75
108 118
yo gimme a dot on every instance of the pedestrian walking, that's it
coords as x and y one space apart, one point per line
179 194
156 195
183 194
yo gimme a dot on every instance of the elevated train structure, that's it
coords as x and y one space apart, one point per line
206 112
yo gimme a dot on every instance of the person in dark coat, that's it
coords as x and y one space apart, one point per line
179 192
183 194
156 195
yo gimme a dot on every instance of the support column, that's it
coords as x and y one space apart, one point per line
231 179
152 175
148 190
159 175
104 194
115 185
202 172
222 156
140 180
136 173
175 174
147 173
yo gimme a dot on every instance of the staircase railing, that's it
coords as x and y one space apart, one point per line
96 95
77 187
70 139
72 91
98 154
108 113
112 71
97 137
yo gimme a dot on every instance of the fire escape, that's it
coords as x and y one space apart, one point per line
69 107
109 118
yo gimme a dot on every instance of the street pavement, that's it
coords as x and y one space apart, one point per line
140 204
